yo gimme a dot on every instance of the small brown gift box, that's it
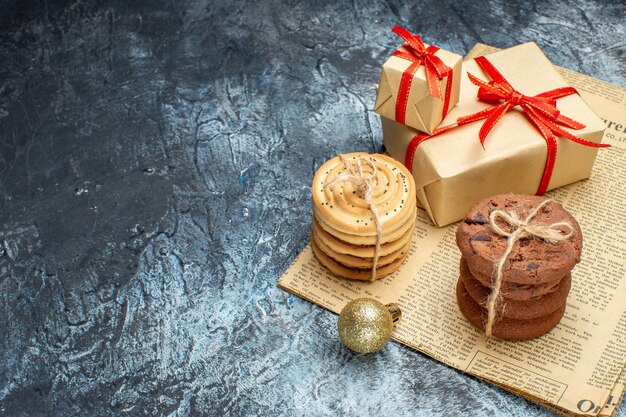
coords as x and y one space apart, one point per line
420 108
453 171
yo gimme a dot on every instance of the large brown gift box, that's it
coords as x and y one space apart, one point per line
423 110
453 171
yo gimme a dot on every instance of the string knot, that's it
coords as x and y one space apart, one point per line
520 228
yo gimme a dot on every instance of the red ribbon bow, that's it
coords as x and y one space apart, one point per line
419 54
540 110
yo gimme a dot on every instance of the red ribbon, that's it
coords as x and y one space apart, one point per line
540 110
419 54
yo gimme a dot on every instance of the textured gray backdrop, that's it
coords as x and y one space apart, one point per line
155 161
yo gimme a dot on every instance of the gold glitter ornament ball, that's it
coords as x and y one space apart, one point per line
366 324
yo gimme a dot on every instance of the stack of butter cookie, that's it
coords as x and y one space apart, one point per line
363 215
517 254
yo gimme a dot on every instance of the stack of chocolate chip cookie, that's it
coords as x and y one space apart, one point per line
363 215
535 274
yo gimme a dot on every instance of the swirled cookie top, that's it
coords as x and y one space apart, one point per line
343 205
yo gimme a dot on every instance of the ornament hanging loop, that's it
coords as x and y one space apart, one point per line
394 310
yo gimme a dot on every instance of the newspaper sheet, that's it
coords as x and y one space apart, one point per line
577 368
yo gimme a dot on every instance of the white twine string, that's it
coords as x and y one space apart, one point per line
366 184
520 229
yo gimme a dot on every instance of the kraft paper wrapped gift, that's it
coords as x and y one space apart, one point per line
419 109
453 171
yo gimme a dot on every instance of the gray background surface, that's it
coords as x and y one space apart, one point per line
155 162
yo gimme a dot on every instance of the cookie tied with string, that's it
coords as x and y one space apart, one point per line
531 261
517 255
363 215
